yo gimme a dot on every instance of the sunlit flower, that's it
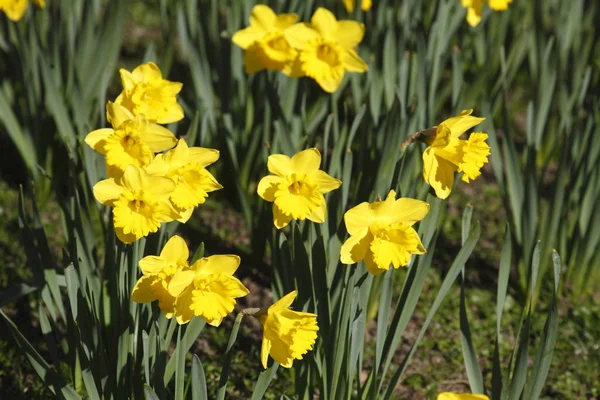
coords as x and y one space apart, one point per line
157 273
146 92
365 5
15 9
132 139
140 202
465 396
208 289
186 166
382 233
296 187
447 154
264 42
287 334
326 48
475 7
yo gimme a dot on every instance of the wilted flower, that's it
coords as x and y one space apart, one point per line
157 273
146 92
446 153
287 334
132 140
15 9
381 233
465 396
474 8
326 48
186 166
264 42
297 187
208 289
141 202
365 5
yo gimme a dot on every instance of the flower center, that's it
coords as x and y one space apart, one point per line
328 54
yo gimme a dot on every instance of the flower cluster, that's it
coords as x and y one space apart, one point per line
323 49
475 8
144 188
15 9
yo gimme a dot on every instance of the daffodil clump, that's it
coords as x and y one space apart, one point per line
323 50
382 233
144 188
15 9
206 289
296 187
447 154
475 8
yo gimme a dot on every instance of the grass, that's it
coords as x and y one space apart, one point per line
437 364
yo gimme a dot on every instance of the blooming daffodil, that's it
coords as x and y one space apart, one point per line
382 233
296 187
475 8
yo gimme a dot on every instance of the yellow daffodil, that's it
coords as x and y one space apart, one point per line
140 202
146 92
446 153
475 7
296 187
132 140
186 166
264 42
287 334
326 48
457 396
365 5
208 289
157 274
15 9
381 233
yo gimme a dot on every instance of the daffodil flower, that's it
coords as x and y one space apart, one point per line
140 202
186 167
382 233
208 289
146 92
475 8
296 187
326 48
264 42
365 5
133 140
157 274
458 396
287 334
447 153
15 9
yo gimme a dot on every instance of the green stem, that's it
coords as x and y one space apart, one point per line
228 353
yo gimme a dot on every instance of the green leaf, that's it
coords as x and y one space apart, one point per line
199 390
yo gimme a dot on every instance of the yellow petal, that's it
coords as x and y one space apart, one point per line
318 215
132 178
95 139
409 211
283 303
175 250
462 123
353 62
185 215
349 33
325 23
499 5
246 37
280 165
183 312
262 17
297 35
142 291
107 191
220 263
203 156
158 166
358 218
331 83
463 396
180 281
267 187
349 4
284 21
117 114
438 173
14 9
126 238
146 72
366 5
264 351
307 161
355 248
152 265
280 220
159 138
160 186
252 62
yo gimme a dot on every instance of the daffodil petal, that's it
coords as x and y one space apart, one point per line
267 187
438 173
159 138
180 281
265 349
107 191
203 156
262 17
279 164
355 247
358 218
142 291
117 114
353 62
146 72
152 265
297 35
175 250
349 33
95 139
284 302
325 23
325 181
218 263
319 213
307 161
246 37
409 211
